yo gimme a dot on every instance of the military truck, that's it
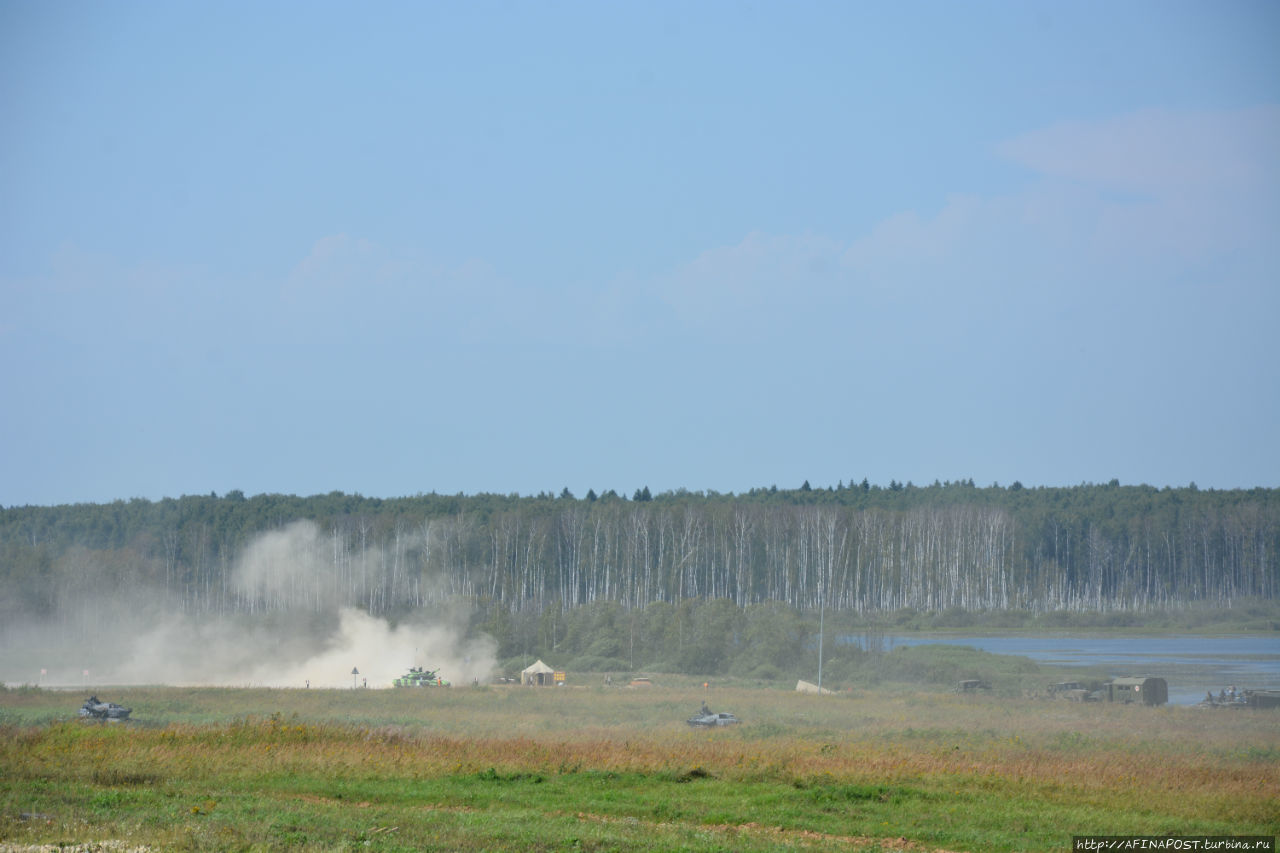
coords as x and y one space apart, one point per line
1136 689
1072 691
971 684
1262 698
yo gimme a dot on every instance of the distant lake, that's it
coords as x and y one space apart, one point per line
1191 664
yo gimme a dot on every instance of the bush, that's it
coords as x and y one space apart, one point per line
953 618
605 647
759 671
1008 618
596 663
512 666
663 665
851 668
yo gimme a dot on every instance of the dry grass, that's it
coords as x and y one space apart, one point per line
895 762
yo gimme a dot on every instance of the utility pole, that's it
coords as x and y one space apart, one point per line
822 602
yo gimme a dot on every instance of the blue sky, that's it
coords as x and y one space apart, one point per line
513 247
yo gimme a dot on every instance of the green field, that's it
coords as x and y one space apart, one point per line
609 768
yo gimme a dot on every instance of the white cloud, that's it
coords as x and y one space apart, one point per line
1160 152
754 286
97 299
1122 202
1164 186
351 287
1122 214
907 245
335 261
1118 203
346 283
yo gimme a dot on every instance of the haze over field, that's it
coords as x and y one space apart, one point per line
513 247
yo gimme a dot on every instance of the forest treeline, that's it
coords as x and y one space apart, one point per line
855 548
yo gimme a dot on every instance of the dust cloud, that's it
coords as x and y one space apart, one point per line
288 630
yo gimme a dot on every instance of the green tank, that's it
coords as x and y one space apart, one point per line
418 676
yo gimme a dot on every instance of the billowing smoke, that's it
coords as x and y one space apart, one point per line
296 652
381 653
289 631
280 564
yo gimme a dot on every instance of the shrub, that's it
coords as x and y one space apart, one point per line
594 663
759 671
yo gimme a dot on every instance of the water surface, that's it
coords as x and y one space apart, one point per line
1191 664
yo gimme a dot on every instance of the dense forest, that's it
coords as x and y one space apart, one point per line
855 547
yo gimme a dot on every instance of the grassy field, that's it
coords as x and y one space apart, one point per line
607 768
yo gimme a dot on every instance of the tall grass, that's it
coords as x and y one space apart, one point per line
515 768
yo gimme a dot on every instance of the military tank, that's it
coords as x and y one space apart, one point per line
708 719
96 710
418 676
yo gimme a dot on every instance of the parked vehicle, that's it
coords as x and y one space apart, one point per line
1072 691
1262 698
1136 689
970 684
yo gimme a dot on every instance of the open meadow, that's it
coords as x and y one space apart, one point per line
612 768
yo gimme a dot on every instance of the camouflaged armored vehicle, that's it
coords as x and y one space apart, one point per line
418 676
96 710
706 719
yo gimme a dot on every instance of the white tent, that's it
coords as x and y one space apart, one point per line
538 674
808 687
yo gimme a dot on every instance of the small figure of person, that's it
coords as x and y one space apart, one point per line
705 710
